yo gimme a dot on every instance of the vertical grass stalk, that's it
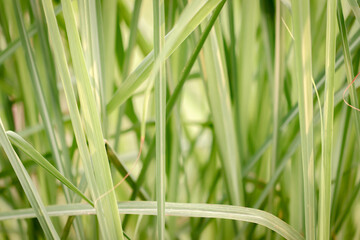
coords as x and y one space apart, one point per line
247 52
276 94
325 182
160 118
303 63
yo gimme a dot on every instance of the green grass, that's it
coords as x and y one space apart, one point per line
225 116
303 74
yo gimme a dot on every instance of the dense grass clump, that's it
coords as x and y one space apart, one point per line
202 119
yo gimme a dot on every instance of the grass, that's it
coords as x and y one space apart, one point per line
179 119
160 116
303 66
325 186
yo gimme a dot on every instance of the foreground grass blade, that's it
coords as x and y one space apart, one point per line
194 13
109 220
28 186
92 26
41 161
325 183
160 116
174 209
302 35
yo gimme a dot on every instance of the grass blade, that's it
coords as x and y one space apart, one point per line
325 183
111 226
160 116
109 14
92 37
110 220
175 209
302 35
278 74
132 39
246 63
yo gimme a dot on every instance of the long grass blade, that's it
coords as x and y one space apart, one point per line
174 209
325 185
160 116
111 226
246 63
302 35
93 52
